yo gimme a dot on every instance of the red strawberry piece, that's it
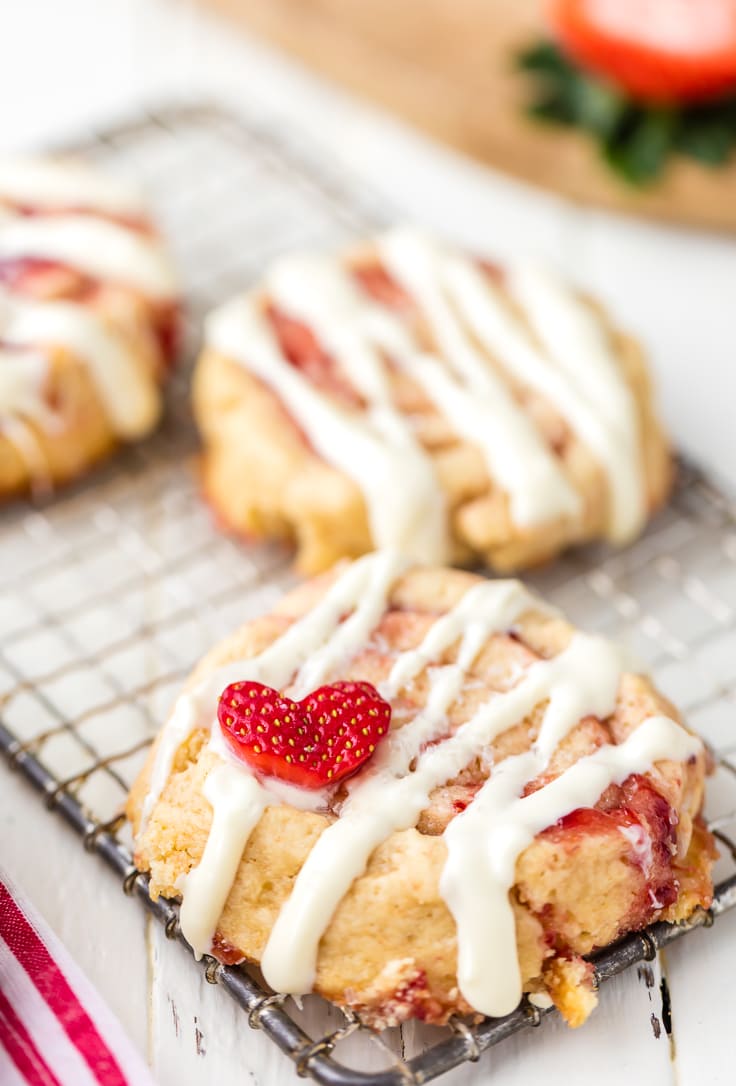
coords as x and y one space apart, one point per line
44 279
312 743
304 351
376 281
659 51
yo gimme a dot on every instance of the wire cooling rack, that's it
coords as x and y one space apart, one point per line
109 593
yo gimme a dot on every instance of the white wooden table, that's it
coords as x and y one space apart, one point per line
89 61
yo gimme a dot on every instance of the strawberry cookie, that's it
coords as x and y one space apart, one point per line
419 793
407 395
88 321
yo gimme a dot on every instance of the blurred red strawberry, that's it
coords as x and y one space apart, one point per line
662 51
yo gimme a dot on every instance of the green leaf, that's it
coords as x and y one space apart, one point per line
635 139
709 141
552 109
599 108
640 153
543 57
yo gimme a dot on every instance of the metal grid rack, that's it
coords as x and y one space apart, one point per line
109 593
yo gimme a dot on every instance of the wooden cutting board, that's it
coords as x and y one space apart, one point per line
447 66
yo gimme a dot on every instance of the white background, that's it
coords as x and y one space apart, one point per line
66 64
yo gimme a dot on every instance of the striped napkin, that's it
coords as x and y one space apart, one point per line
55 1029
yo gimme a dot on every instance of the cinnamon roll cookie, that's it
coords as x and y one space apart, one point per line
419 793
88 320
405 395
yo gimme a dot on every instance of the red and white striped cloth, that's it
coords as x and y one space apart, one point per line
55 1030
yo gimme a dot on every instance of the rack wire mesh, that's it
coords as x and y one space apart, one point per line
110 592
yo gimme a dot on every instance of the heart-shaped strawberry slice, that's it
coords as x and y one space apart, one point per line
312 743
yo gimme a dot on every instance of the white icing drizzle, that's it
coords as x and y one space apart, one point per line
21 435
68 197
318 291
487 607
51 184
290 795
586 384
478 404
237 801
22 378
386 797
579 373
390 798
127 391
490 835
102 249
362 588
575 369
485 841
375 448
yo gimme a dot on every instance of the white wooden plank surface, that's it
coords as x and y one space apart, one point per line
675 288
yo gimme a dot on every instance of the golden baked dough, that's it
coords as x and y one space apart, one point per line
88 321
642 853
264 473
